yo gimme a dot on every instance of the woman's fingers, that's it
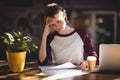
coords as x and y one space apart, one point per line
82 65
48 20
47 29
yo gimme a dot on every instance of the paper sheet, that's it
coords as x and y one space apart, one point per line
67 65
65 70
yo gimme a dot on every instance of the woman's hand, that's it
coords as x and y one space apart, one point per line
82 65
47 29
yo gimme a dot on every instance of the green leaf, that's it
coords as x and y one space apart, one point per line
17 41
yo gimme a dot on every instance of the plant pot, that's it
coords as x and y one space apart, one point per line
16 61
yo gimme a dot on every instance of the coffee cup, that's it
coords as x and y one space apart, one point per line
91 62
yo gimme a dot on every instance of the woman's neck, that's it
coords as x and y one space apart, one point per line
67 30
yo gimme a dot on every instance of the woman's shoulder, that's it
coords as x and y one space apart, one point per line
83 33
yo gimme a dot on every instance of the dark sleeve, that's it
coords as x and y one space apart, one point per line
88 47
48 50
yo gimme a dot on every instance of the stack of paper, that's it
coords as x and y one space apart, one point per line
61 71
67 65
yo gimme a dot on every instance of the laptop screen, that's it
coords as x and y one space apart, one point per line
109 56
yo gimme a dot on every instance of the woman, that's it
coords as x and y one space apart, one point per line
62 42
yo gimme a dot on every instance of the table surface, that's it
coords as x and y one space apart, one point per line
31 72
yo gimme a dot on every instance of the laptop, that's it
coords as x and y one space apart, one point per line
109 57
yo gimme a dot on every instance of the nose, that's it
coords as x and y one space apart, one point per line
57 26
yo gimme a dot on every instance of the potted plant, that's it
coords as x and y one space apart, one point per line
16 44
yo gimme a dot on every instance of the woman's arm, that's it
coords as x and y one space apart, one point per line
88 47
42 50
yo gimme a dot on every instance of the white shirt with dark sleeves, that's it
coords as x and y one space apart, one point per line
67 48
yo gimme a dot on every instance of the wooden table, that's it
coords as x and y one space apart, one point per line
31 72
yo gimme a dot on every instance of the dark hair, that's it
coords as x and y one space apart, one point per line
52 9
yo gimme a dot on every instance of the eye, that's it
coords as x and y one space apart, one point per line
59 21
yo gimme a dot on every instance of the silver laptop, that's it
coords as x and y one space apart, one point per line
109 57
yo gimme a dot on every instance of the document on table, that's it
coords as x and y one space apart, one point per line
67 65
64 70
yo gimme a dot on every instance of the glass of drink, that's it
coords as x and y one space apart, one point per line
91 62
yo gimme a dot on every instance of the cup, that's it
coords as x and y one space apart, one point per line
91 62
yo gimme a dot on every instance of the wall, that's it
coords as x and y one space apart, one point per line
11 11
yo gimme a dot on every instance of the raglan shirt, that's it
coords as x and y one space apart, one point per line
70 47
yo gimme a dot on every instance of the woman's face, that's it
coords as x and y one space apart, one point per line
58 22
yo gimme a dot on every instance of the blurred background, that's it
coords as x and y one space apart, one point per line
101 18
